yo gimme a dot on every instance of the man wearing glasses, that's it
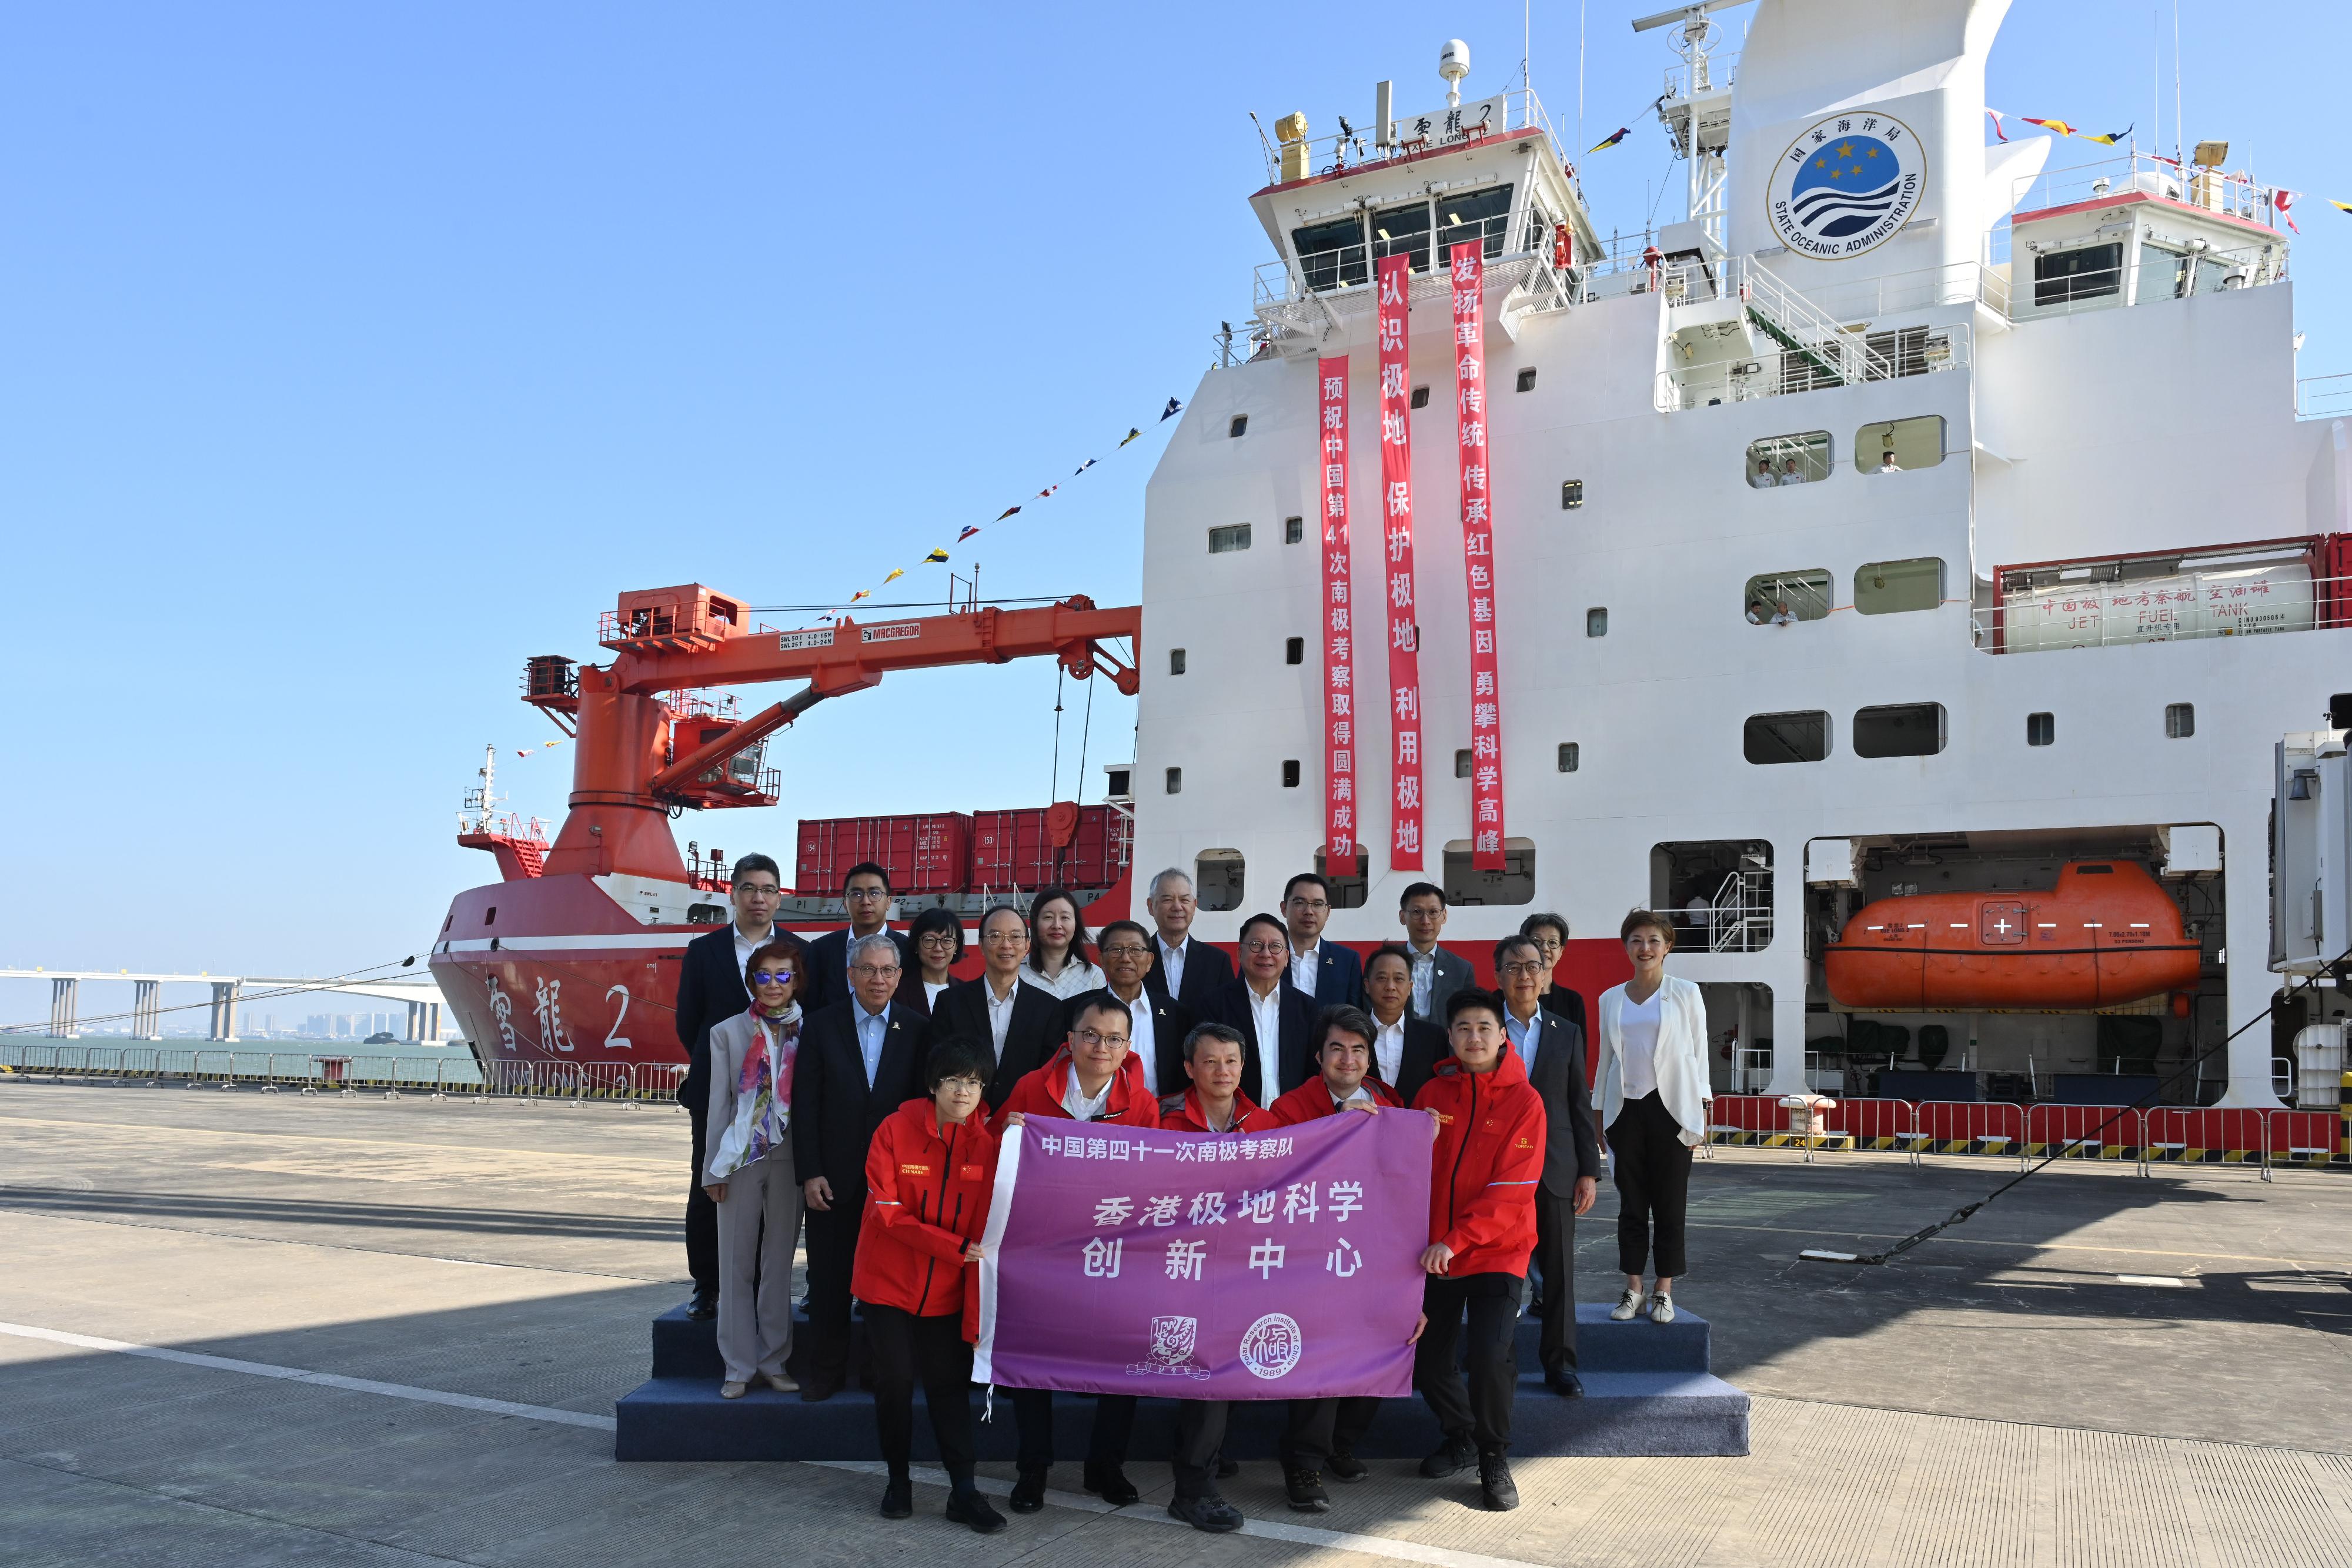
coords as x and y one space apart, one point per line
858 1062
1021 1023
866 891
1091 1078
710 991
1275 1018
1159 1024
1327 974
1552 1050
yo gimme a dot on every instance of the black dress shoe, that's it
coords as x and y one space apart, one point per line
1028 1492
1305 1489
1228 1468
702 1308
1565 1383
1451 1458
898 1498
970 1507
1348 1468
1214 1514
1110 1484
817 1390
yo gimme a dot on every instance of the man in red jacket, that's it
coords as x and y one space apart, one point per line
1343 1050
1482 1227
929 1175
1214 1103
1090 1079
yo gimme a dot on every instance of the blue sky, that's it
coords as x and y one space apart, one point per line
353 353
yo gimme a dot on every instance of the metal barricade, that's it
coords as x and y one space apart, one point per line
2085 1133
1745 1119
2304 1137
1872 1124
1968 1127
658 1081
606 1080
2209 1135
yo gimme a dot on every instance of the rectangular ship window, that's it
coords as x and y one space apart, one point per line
1778 460
1571 494
1231 538
1898 445
1293 650
1290 773
2063 277
1899 729
1892 587
1240 426
1294 529
1175 661
2180 720
1332 254
1777 598
1771 737
2041 729
1570 757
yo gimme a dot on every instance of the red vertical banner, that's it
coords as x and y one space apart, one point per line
1396 531
1338 644
1468 281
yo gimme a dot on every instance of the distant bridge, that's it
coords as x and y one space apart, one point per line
423 996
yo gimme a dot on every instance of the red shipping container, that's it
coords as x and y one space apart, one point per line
1016 849
930 852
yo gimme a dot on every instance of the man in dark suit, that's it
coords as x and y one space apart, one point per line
1437 973
1015 1028
710 990
1275 1017
866 892
1405 1050
1157 1025
1549 933
859 1061
1191 971
1331 976
1553 1051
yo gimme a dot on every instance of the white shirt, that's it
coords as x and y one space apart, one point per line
932 992
1077 978
1388 1050
1140 1038
1171 963
1075 1101
747 945
1783 617
1000 1010
1792 478
1306 968
1266 1013
1638 1026
1362 1093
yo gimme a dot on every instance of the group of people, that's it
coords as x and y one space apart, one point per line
850 1084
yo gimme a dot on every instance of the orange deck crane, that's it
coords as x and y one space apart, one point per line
641 751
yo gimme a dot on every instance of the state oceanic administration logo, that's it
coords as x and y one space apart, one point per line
1846 186
1272 1345
1173 1339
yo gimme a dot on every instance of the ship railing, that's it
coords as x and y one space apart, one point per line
2323 397
1713 73
1340 152
2243 601
1284 283
1804 367
2145 276
2235 195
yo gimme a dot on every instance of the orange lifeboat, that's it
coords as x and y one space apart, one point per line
2107 936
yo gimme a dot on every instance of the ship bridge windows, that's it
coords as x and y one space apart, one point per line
1778 460
1217 879
1402 231
1899 729
1892 587
1774 738
1481 214
1898 445
1514 883
2087 272
1783 598
1332 254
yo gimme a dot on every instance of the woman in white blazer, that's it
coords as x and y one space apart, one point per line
1653 1109
748 1169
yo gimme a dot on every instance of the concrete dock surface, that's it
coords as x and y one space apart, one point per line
247 1328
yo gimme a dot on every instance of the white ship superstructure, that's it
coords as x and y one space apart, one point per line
2029 605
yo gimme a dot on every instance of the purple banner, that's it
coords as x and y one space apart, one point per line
1279 1265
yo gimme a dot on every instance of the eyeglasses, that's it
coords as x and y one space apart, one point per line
874 971
1126 950
1523 967
1265 946
1310 904
943 938
864 894
1093 1037
759 890
772 977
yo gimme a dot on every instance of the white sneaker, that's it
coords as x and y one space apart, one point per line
1628 1307
1661 1308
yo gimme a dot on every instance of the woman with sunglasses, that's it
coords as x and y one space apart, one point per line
747 1171
1057 946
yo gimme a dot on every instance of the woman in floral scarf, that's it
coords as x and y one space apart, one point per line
748 1170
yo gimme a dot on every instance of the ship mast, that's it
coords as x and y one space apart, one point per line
1697 112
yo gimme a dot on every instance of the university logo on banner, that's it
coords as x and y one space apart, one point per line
1275 1266
1847 183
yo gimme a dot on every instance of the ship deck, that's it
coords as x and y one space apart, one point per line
349 1331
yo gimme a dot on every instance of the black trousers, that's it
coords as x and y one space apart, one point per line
1033 1416
832 1257
1482 1413
907 1349
1653 1171
1556 1260
702 1214
1318 1428
1199 1433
